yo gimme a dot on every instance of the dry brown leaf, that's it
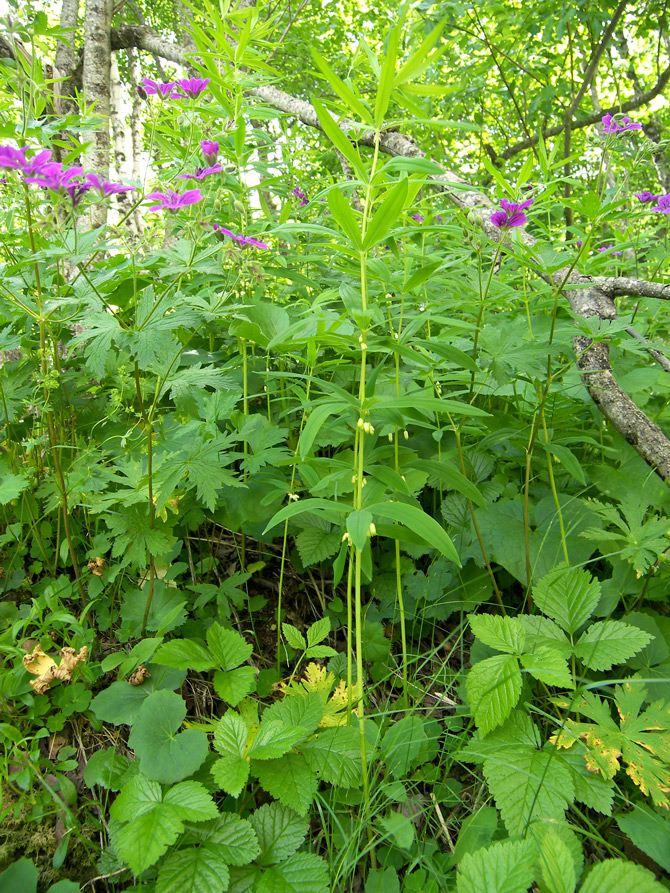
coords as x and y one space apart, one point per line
96 566
140 674
47 670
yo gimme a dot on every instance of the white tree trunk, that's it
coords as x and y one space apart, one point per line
96 84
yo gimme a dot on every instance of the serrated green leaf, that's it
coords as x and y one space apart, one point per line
555 863
335 755
12 486
568 595
166 755
139 795
300 873
143 841
232 686
649 831
541 631
305 710
503 867
294 637
289 779
320 651
493 687
231 774
610 642
502 633
619 876
315 545
233 838
228 647
280 832
549 666
185 654
199 869
230 735
274 739
591 789
192 801
528 784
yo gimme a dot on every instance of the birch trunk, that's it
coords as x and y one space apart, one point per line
96 84
65 61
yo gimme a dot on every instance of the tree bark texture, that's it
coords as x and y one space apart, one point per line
96 77
65 61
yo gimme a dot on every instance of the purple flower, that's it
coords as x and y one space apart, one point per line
55 177
201 172
243 240
611 126
15 159
210 150
104 187
418 217
646 196
301 195
663 204
191 87
512 214
153 88
173 201
579 243
607 248
439 218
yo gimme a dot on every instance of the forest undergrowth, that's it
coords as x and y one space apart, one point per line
321 568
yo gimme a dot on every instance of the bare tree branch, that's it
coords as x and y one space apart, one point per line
617 286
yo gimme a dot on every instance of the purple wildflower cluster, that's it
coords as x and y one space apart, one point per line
512 214
40 170
187 88
418 217
301 196
663 205
662 201
604 248
611 126
242 240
